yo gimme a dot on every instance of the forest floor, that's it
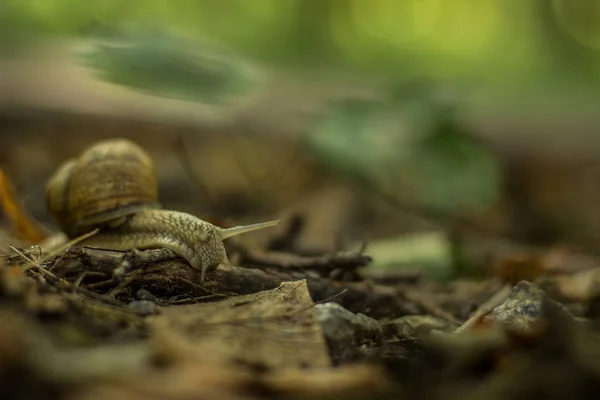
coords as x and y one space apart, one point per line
87 324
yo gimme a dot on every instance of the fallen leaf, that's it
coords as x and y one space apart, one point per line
272 329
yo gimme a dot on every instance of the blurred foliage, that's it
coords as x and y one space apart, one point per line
543 54
407 145
168 66
496 41
418 151
429 253
579 19
453 171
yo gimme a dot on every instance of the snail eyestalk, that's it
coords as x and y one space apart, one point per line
226 233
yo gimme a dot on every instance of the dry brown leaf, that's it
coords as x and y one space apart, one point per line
24 226
271 329
185 381
342 381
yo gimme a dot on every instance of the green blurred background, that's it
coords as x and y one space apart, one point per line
478 111
496 42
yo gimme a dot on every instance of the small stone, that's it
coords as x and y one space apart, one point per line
523 309
144 294
145 307
349 336
416 325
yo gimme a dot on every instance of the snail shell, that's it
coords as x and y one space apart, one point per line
110 180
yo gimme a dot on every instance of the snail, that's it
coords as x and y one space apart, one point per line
112 186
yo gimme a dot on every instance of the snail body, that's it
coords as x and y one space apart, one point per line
112 186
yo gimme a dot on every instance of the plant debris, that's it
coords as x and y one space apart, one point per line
84 323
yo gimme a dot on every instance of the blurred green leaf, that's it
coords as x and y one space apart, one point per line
362 139
416 149
453 172
342 141
166 66
429 253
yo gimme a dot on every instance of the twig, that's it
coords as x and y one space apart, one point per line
66 284
325 263
327 300
486 308
101 284
163 280
427 305
206 289
192 300
98 261
123 283
33 263
100 297
71 243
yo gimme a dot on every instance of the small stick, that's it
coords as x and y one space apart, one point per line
486 308
341 260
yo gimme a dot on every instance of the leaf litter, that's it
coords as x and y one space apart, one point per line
82 323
